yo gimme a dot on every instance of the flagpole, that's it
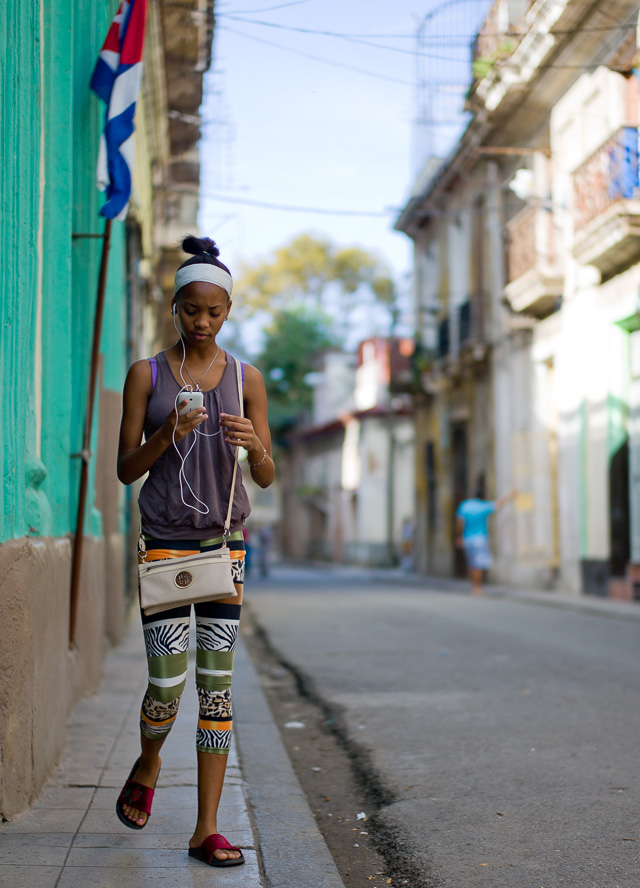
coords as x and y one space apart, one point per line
85 454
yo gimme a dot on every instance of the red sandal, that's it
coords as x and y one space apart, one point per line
136 796
216 842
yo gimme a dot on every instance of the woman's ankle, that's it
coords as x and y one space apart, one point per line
202 831
149 762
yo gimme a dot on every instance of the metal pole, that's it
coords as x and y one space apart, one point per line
85 454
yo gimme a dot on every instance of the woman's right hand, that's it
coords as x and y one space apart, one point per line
186 423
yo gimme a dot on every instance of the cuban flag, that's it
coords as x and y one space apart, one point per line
116 80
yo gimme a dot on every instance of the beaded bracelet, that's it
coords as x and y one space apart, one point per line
265 456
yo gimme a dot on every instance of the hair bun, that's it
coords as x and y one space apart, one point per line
195 245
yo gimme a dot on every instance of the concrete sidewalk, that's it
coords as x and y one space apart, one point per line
71 837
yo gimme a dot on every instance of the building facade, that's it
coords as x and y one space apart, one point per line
347 482
50 233
531 219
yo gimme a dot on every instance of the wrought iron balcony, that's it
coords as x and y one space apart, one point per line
535 281
607 204
471 326
469 330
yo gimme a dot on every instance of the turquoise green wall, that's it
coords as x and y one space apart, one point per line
19 156
48 147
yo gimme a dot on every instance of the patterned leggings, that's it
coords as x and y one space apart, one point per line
166 638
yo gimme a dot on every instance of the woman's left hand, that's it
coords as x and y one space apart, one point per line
239 431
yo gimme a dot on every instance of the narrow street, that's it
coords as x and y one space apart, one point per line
504 733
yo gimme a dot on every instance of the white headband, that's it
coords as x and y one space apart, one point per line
203 271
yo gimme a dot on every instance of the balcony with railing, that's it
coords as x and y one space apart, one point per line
472 338
607 205
535 281
499 36
463 333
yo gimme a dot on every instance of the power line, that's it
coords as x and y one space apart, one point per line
560 32
369 36
217 14
346 36
419 53
306 55
264 8
289 208
363 39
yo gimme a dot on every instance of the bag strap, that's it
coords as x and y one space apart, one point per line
227 523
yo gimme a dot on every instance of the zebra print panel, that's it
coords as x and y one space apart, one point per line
216 635
154 732
166 637
237 570
206 739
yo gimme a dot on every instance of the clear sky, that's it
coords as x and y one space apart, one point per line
281 127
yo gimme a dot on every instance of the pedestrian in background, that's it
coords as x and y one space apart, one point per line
198 446
472 533
406 557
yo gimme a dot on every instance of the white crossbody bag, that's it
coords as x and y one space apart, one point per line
206 576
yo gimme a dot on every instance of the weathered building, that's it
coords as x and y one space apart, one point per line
348 481
50 235
522 222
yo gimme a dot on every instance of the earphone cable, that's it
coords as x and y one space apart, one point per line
182 477
186 386
183 459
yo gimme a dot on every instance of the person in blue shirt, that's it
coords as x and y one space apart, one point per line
472 533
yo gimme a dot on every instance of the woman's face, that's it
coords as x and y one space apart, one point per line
202 309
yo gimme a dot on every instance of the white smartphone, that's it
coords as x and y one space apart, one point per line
195 399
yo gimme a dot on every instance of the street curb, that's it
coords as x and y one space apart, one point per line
293 851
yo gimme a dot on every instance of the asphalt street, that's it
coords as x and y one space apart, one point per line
504 732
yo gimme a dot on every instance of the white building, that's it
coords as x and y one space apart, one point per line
348 485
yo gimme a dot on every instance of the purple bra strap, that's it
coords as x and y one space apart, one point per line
242 366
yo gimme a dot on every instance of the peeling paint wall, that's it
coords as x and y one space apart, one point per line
454 418
48 148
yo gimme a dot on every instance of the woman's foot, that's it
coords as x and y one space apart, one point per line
146 775
199 837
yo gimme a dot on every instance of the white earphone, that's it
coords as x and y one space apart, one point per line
182 478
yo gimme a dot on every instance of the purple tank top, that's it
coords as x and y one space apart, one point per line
208 469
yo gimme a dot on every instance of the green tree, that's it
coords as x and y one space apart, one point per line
293 342
313 271
303 299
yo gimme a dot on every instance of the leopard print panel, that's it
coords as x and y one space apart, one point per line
157 711
215 704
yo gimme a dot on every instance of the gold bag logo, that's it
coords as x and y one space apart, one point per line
183 579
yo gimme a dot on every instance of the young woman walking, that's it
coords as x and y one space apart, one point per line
183 506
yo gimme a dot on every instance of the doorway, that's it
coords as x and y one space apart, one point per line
460 487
